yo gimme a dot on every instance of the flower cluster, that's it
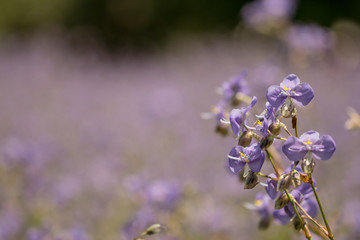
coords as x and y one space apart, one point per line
293 189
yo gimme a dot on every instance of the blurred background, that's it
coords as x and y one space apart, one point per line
101 134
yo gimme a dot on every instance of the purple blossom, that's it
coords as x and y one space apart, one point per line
296 148
300 93
239 156
237 117
235 85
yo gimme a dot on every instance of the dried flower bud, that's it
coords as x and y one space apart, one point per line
264 223
288 109
275 128
283 182
295 177
222 129
153 229
251 180
245 139
297 223
308 165
281 201
266 142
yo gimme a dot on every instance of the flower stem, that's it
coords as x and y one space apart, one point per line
306 231
322 211
266 176
272 163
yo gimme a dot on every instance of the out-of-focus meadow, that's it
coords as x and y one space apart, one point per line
101 134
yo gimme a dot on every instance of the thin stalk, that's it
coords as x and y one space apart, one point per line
321 227
272 163
266 176
322 211
291 199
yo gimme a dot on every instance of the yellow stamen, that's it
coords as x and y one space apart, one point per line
243 156
286 89
259 122
308 142
258 202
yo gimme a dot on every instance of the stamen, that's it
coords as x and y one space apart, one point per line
308 142
258 202
259 122
286 89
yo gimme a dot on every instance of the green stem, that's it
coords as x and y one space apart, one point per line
266 176
322 211
272 163
291 199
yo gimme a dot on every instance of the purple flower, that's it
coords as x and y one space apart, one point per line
262 206
235 85
237 117
239 156
300 93
322 148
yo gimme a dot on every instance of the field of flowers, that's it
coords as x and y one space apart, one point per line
97 147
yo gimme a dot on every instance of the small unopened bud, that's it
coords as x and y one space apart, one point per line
281 201
297 223
266 142
283 182
241 175
308 165
153 229
222 129
251 180
287 109
264 223
295 177
245 139
275 128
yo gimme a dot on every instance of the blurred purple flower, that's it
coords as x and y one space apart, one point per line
239 156
322 148
235 85
300 93
308 38
163 193
238 117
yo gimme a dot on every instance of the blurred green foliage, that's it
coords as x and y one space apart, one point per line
150 22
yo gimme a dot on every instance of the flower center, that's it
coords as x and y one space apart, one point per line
243 157
308 142
258 202
286 89
259 122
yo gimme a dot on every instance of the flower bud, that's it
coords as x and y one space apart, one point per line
251 180
266 142
264 223
241 175
245 139
281 201
308 165
295 177
222 129
275 128
283 182
153 229
287 109
297 223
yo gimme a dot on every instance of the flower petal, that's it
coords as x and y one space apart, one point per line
312 136
276 96
294 149
256 157
236 119
281 217
290 81
234 164
302 94
271 187
325 148
310 207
